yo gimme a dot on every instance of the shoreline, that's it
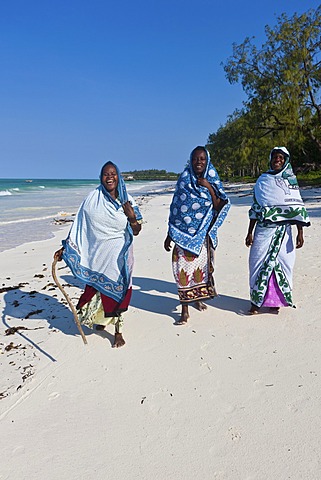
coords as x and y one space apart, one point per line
43 225
216 389
47 227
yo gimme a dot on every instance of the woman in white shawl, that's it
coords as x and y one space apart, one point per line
99 251
277 204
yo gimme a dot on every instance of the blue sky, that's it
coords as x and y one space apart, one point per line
137 82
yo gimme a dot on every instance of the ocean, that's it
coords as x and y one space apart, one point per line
28 207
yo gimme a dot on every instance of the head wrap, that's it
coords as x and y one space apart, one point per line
277 197
286 156
121 187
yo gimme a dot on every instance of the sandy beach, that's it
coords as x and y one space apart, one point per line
227 397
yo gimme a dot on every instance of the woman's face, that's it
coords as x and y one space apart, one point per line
277 161
109 179
199 161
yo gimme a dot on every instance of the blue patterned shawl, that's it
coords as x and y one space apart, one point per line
191 211
97 247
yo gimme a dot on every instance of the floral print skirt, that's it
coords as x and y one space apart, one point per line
194 274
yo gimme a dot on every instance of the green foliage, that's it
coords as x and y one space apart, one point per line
308 179
151 174
282 81
234 149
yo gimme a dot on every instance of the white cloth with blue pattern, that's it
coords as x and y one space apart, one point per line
98 245
192 211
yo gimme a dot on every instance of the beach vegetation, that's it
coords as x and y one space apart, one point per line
282 82
309 179
152 174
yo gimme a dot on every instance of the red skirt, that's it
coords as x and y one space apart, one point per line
110 306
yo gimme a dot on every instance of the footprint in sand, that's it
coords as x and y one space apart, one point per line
19 450
207 366
229 409
54 395
220 476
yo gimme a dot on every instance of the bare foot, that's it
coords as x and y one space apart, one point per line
183 319
100 327
275 310
254 310
184 315
119 340
200 306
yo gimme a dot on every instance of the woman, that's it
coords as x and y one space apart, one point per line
277 204
198 209
99 251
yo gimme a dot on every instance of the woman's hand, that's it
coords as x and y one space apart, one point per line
167 243
218 203
58 254
249 239
129 211
249 236
130 214
299 238
203 182
136 228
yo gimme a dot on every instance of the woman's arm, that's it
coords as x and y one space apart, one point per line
218 203
249 236
167 243
299 237
130 214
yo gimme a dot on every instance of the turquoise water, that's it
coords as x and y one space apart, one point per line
17 186
28 207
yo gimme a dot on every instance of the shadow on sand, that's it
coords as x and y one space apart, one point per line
147 297
38 307
149 294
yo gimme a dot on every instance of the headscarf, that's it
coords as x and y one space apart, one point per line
277 197
284 151
192 212
97 247
122 195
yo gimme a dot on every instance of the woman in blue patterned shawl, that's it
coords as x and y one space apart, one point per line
99 251
277 204
198 209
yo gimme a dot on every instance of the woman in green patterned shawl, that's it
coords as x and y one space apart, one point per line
277 205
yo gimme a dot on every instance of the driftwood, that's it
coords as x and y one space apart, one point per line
54 276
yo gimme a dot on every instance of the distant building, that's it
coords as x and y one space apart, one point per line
128 178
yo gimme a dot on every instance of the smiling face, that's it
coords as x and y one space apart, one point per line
109 178
199 161
277 160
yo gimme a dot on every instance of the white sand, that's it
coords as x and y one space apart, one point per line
228 396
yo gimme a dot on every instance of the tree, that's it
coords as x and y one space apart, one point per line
235 150
282 79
